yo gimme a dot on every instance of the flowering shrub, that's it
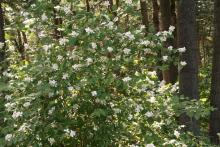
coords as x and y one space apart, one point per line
94 86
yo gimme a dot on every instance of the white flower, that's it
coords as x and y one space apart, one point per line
138 108
44 17
149 114
177 134
152 99
126 51
165 58
8 97
152 73
163 38
17 114
150 145
129 35
24 127
183 63
51 140
117 110
46 47
77 66
126 79
145 42
110 25
74 34
53 83
70 88
94 45
130 117
8 137
170 48
158 34
75 107
57 7
9 106
27 104
89 30
28 79
72 133
115 19
51 110
63 41
94 93
106 3
182 50
2 45
165 33
60 29
128 2
55 67
110 49
29 22
171 28
67 9
59 57
89 61
65 76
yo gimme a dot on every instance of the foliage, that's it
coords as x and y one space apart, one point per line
94 86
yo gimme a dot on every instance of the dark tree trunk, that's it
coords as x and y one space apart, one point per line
165 9
117 3
87 6
156 23
174 22
173 69
111 8
215 86
188 76
144 14
156 15
2 37
24 37
20 45
111 4
57 21
165 22
169 75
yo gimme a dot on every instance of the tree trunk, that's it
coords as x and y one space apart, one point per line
169 75
165 22
215 86
2 38
57 22
156 15
188 76
173 68
87 6
144 15
156 23
20 46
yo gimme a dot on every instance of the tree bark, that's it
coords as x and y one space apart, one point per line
169 75
20 46
173 68
165 22
2 38
188 76
57 21
156 15
87 6
144 14
156 23
215 86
